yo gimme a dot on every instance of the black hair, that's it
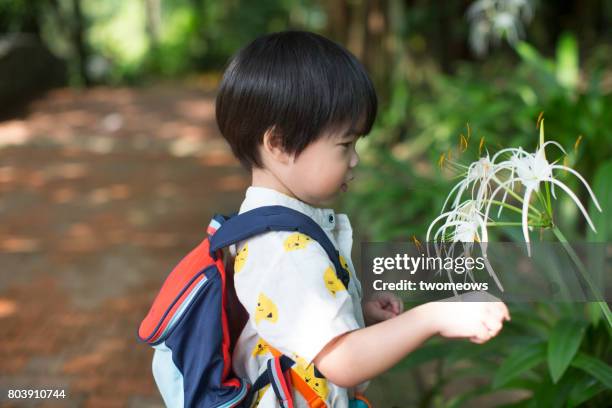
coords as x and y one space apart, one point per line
299 85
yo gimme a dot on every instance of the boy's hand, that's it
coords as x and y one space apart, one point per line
382 306
476 321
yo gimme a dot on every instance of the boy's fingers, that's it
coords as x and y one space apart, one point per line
493 326
380 314
483 332
500 310
497 314
384 315
477 340
504 310
400 305
396 307
507 314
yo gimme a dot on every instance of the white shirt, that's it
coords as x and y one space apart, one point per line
296 305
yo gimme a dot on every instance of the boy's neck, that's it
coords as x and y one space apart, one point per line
264 178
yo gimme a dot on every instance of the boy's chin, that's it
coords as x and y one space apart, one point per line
322 201
331 199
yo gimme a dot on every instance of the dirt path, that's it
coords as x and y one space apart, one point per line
101 193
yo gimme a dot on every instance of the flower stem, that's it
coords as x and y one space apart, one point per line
548 203
501 224
542 201
504 224
510 207
570 251
513 194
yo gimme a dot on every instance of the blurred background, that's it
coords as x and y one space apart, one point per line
111 165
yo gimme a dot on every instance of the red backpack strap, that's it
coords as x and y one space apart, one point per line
280 383
283 379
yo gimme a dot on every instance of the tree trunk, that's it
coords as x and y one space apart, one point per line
78 41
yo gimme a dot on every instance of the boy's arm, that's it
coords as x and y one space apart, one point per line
361 355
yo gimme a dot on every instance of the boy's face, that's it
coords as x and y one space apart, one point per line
323 169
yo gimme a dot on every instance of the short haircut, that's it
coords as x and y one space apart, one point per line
299 85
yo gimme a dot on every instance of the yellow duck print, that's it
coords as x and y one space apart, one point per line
311 376
241 258
345 264
295 241
259 395
262 347
332 283
265 310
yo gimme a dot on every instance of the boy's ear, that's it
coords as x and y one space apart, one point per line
273 148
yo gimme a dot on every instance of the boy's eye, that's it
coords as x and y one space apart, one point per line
347 144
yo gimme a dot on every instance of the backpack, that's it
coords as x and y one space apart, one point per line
195 319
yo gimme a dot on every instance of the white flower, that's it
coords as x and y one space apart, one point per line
492 20
531 169
467 225
467 221
478 174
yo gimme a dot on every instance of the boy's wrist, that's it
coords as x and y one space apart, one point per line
432 315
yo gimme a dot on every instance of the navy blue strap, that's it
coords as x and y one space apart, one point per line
264 377
274 218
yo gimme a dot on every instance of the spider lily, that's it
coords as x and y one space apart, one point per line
531 169
478 174
467 222
467 225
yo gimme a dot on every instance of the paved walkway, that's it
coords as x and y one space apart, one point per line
101 193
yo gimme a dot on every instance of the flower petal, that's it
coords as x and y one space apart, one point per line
576 200
492 273
441 216
501 185
575 173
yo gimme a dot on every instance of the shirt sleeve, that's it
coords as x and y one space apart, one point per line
289 287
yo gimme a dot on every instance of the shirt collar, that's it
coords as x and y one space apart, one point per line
261 196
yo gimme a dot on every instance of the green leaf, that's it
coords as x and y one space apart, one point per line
425 354
594 313
584 390
530 384
565 338
531 56
519 361
567 61
595 367
524 403
461 399
603 191
555 395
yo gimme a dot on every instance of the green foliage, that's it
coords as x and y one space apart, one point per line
563 343
519 361
557 353
603 189
128 41
552 352
491 102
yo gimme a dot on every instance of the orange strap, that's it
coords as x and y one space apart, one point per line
362 397
311 397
